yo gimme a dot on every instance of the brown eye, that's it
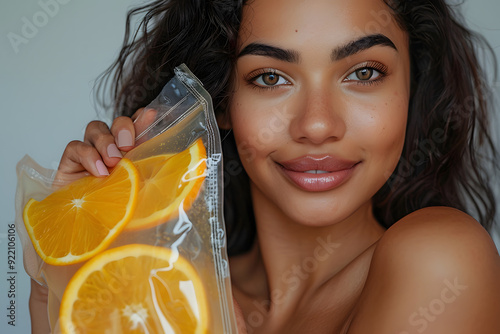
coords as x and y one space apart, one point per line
367 74
364 73
270 79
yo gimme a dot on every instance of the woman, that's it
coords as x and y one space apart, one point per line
357 124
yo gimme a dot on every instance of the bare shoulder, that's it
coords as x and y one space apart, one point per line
439 231
436 270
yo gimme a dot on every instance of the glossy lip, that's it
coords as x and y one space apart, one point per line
334 172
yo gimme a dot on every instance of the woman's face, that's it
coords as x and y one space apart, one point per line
320 103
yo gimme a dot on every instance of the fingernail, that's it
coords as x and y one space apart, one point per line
101 168
113 151
124 138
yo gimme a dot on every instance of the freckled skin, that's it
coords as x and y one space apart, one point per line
307 270
325 114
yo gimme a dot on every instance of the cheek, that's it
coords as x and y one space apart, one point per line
245 123
257 128
382 130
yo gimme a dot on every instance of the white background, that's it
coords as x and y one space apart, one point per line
46 96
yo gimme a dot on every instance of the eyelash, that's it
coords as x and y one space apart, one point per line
252 77
372 65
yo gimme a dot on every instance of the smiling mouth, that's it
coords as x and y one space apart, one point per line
315 174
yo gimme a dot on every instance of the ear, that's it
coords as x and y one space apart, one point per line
223 120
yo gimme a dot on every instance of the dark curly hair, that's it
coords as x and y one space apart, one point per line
449 154
448 141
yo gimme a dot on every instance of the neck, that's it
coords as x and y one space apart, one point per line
290 258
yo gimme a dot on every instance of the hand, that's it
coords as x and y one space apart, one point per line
102 147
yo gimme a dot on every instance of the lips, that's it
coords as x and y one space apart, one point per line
318 173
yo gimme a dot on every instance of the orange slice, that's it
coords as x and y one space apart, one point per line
81 219
135 289
168 183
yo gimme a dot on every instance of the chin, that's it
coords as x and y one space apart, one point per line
318 217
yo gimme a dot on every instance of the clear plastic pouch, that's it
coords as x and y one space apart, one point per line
166 268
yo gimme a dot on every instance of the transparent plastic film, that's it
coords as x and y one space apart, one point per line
143 249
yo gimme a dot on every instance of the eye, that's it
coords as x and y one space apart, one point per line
364 74
368 73
268 79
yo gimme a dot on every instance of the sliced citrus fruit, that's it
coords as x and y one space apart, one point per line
168 183
135 289
81 219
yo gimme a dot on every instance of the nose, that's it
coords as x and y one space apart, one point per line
317 118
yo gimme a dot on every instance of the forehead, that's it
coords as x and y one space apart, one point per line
330 21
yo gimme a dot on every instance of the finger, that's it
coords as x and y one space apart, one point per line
123 132
136 114
99 136
78 159
143 120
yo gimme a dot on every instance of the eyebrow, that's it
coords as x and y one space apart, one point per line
359 45
338 53
258 49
